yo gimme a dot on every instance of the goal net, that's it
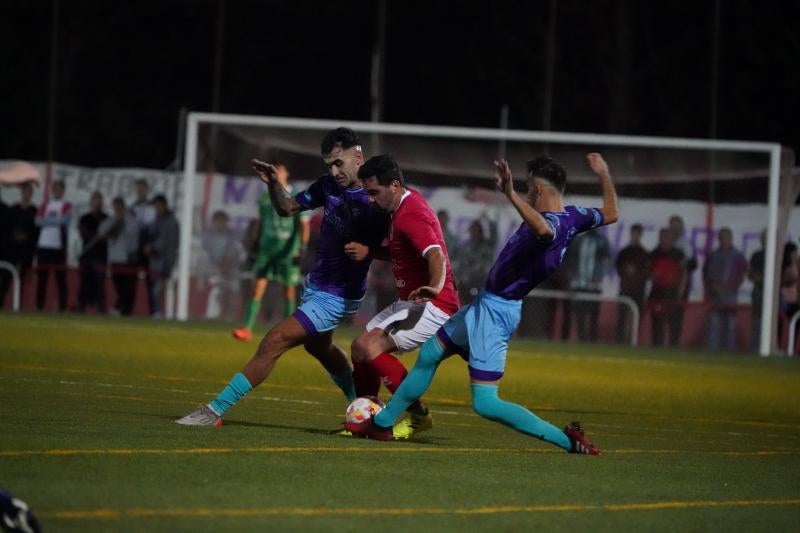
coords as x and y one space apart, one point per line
673 194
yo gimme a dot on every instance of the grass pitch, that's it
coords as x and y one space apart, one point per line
691 441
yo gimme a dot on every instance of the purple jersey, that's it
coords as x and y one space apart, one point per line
349 216
526 260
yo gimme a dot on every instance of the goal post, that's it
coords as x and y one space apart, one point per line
477 142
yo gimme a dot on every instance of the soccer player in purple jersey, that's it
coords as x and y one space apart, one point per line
480 331
335 286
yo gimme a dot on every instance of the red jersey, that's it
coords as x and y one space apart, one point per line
413 231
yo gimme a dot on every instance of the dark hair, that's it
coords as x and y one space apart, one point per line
344 137
118 200
160 198
384 168
637 227
549 170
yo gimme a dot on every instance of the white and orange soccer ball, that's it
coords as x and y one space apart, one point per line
362 409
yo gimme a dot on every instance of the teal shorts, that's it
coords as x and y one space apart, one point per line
480 332
320 311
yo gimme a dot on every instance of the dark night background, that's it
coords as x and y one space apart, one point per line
125 69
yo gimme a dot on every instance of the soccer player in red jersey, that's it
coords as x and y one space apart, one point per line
425 285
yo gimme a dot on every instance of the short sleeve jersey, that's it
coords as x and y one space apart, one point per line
349 215
526 260
414 230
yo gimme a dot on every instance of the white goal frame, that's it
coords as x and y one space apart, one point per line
194 119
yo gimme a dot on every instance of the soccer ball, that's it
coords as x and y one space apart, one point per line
362 409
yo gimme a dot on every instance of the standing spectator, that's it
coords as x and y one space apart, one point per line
475 259
723 274
5 276
223 252
144 212
588 262
668 277
682 243
51 251
121 233
161 252
790 274
633 268
93 258
249 246
21 237
756 274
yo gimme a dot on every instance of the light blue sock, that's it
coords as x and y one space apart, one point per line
344 381
488 405
414 385
234 391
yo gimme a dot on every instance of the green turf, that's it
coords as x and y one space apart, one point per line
692 441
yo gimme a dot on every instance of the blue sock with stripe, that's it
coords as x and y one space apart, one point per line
488 405
234 391
414 385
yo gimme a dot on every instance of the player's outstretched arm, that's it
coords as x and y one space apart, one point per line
436 275
600 167
505 182
284 203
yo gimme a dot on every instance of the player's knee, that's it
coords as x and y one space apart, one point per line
359 349
486 407
365 347
431 352
485 402
272 345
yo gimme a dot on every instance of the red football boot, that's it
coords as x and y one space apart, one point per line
580 444
369 430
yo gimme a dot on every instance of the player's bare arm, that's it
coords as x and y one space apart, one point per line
285 204
505 183
600 167
358 252
305 236
436 272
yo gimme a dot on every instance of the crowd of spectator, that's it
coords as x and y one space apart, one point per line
136 247
142 238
